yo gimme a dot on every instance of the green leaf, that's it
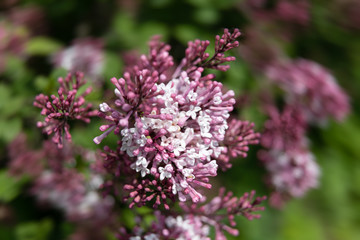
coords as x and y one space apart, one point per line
83 136
185 33
41 83
10 187
34 230
301 224
206 16
4 96
224 4
124 27
160 3
9 129
9 104
6 232
113 66
41 46
199 3
16 69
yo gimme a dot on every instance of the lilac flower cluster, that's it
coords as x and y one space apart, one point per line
312 96
290 173
196 58
285 130
84 55
174 132
291 167
12 41
68 105
67 190
293 11
174 129
258 50
236 141
347 13
198 217
31 17
56 185
168 227
312 87
24 161
211 212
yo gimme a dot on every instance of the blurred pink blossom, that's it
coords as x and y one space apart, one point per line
311 87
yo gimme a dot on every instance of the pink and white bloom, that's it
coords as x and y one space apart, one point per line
84 55
310 86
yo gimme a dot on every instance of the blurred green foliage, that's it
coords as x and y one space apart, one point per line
34 230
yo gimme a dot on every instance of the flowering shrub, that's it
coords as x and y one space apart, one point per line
173 134
173 143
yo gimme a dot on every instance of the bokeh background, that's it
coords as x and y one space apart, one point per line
324 31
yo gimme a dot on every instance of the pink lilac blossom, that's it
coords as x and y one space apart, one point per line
291 167
168 227
30 162
196 59
146 190
171 127
211 213
311 87
60 187
136 89
291 173
174 132
31 17
59 110
236 142
8 3
293 11
178 137
114 162
56 158
198 218
138 86
67 191
24 161
287 11
258 50
12 38
346 12
84 55
12 41
284 130
57 186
